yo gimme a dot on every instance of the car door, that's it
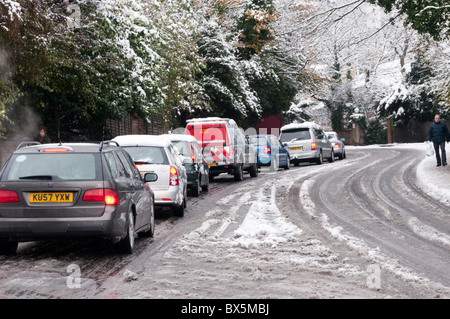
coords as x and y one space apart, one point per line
200 160
325 144
131 187
282 152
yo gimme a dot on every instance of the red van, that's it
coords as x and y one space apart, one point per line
225 147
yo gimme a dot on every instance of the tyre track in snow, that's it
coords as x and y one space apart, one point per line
376 216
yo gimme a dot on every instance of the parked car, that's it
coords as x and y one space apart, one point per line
270 152
62 190
225 147
197 168
156 154
306 142
338 144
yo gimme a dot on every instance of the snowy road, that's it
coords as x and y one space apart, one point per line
364 227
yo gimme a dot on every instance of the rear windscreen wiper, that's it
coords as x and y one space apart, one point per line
42 177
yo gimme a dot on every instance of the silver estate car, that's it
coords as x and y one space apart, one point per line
338 144
156 154
307 142
56 191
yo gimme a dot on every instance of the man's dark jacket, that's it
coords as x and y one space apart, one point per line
438 132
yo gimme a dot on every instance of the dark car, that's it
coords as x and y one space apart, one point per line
270 152
197 168
57 191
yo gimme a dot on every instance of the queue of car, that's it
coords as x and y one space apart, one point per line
110 190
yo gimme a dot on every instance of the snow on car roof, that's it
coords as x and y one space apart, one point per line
142 140
209 120
300 125
180 137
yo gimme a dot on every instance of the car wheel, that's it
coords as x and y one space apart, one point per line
320 159
288 163
8 247
254 170
196 189
179 211
274 165
126 245
331 159
239 173
151 224
205 187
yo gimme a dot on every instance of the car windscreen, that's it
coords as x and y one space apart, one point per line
62 166
295 135
148 154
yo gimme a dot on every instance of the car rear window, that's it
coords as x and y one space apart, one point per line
184 148
258 140
148 154
295 134
67 166
211 134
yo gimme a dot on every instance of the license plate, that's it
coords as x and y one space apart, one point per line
51 197
296 148
212 164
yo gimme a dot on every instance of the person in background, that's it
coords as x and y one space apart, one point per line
413 128
43 138
438 133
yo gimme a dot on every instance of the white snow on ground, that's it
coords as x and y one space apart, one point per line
247 246
434 181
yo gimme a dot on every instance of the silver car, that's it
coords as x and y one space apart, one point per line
306 142
338 144
156 154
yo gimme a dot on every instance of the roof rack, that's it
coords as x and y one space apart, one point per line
103 143
29 143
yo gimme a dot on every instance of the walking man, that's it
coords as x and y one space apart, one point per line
438 133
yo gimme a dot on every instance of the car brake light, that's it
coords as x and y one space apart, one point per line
8 197
267 150
55 150
313 146
173 177
108 196
138 166
336 145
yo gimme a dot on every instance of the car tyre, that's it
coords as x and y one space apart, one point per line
320 159
126 245
239 173
288 163
196 189
274 165
205 188
8 247
151 231
331 159
254 170
179 211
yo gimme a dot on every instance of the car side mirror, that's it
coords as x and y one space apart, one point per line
187 160
150 177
